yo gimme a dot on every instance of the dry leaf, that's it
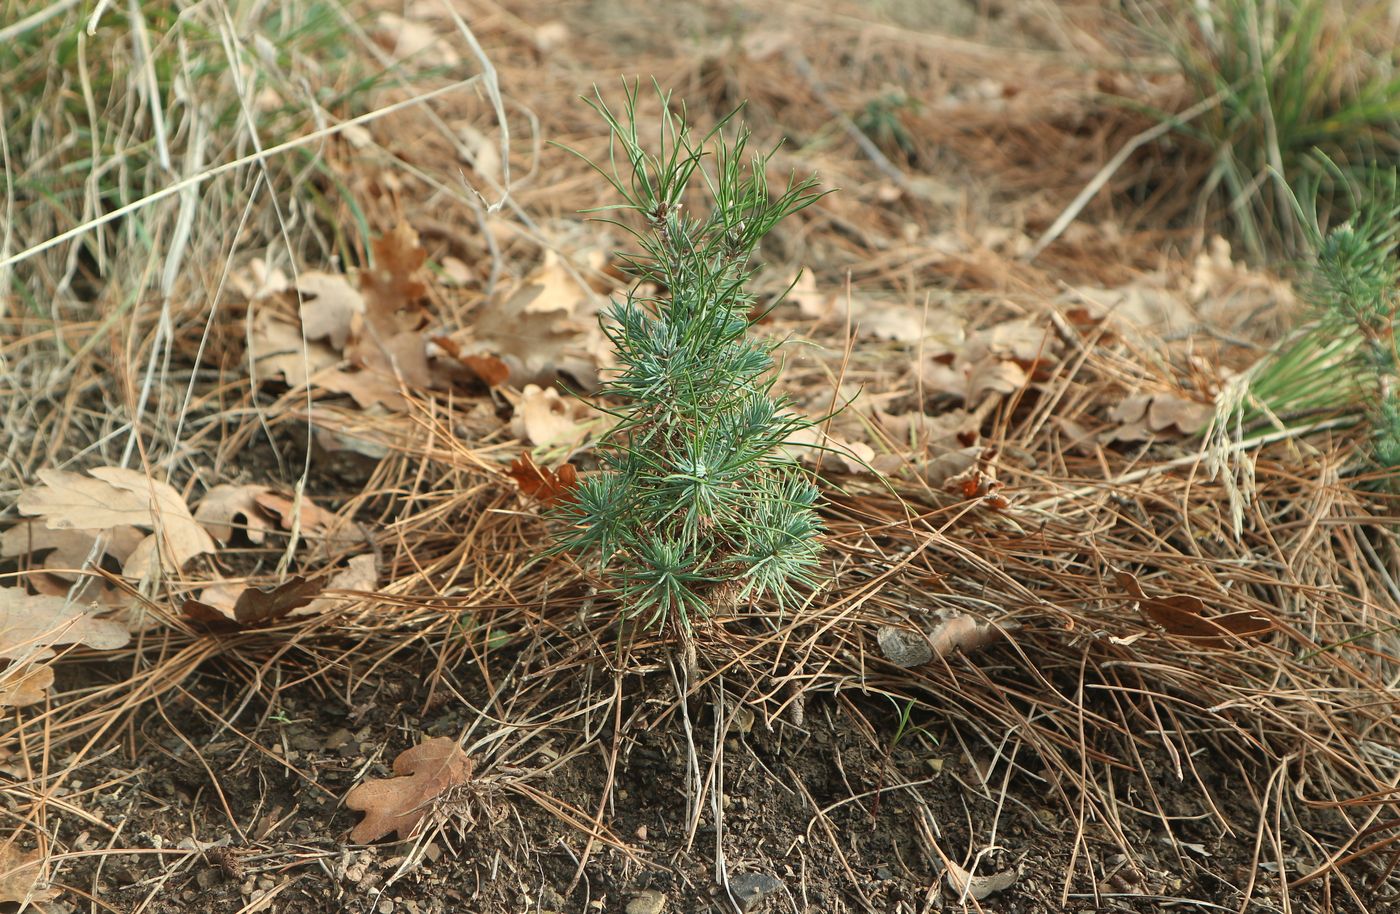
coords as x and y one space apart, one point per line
369 389
550 35
329 307
965 633
1229 293
1169 412
1019 340
23 685
389 340
360 574
225 508
115 497
936 330
394 288
276 347
979 481
423 774
315 522
489 369
992 375
20 873
220 603
72 501
1144 308
455 271
256 281
812 445
547 485
956 428
215 603
544 418
1143 416
481 152
69 550
964 884
547 327
412 39
32 622
1184 617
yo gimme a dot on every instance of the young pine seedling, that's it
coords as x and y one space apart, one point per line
696 505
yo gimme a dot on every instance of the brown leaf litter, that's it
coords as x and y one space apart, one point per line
423 775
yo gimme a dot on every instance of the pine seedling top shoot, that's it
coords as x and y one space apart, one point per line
696 505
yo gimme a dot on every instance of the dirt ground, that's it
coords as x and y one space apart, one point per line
817 815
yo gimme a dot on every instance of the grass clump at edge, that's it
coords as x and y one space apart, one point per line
1290 79
1345 360
100 111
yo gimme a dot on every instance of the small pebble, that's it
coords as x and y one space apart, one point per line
751 888
648 901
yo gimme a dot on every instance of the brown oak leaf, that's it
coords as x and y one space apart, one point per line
21 875
422 775
34 622
21 686
1184 616
221 603
549 486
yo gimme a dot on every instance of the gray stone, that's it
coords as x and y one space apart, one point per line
749 889
648 901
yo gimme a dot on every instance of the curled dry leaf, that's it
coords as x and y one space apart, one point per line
962 632
360 574
251 605
1178 414
30 623
226 508
979 481
1184 617
549 486
116 496
1145 416
545 418
20 875
69 550
314 522
965 885
22 685
423 774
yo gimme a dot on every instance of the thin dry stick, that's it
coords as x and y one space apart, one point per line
1093 187
1158 469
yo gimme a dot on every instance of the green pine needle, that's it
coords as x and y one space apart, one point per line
696 498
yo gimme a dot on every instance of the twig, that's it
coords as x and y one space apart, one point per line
1094 186
1157 469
